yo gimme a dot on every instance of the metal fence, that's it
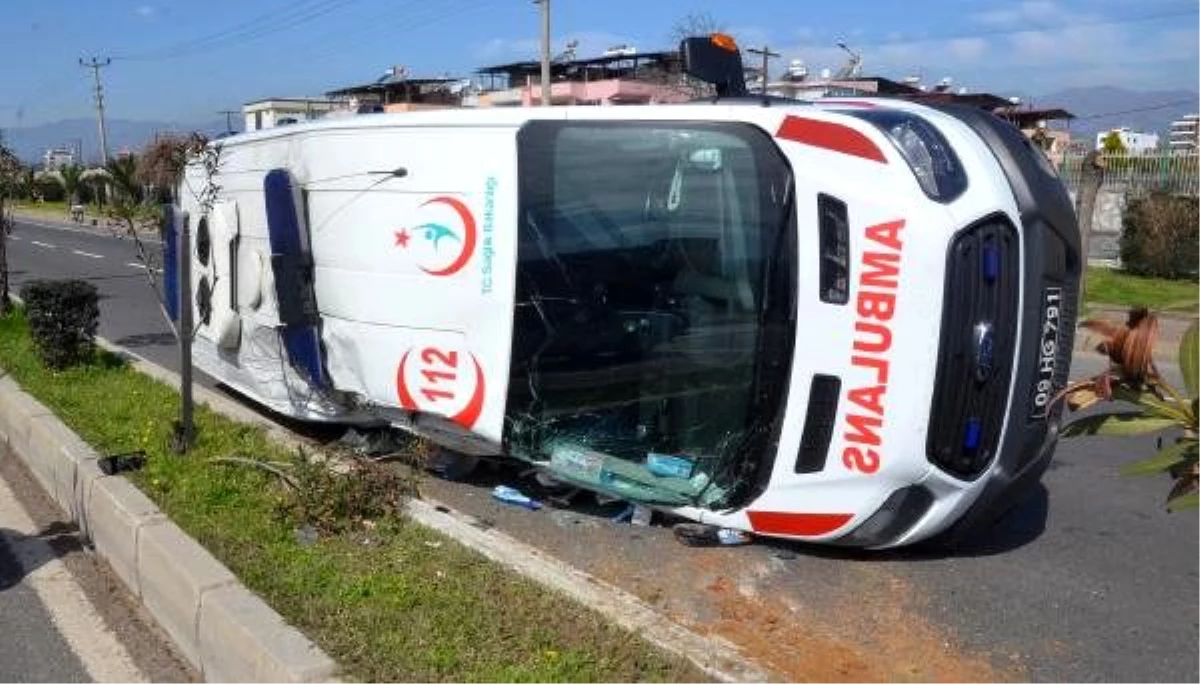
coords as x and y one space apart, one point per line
1178 174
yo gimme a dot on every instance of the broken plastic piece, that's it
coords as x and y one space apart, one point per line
625 514
697 534
511 496
663 465
119 463
642 515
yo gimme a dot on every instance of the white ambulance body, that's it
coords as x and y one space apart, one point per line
839 322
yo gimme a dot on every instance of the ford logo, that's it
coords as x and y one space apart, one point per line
983 351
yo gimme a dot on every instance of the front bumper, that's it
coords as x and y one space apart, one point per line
1052 263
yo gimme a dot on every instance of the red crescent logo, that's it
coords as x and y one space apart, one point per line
406 399
466 417
469 238
474 407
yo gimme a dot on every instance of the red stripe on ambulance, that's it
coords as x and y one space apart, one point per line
875 306
797 524
830 136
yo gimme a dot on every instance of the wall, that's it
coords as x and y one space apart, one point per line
1105 246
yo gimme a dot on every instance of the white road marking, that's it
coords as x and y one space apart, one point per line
142 266
87 254
102 655
98 231
14 237
43 244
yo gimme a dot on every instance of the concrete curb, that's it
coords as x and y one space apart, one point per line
222 629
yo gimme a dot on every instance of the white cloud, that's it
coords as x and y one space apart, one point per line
1030 11
967 49
588 44
145 11
1059 50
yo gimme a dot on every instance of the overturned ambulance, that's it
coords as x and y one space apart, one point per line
839 322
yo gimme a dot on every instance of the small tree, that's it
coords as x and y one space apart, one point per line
689 26
11 175
70 177
132 217
1112 144
1133 377
162 162
96 180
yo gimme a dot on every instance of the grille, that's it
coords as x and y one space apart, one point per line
818 423
979 325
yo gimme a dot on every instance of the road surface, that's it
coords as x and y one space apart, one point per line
64 616
1089 580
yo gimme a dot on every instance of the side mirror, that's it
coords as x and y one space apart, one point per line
714 59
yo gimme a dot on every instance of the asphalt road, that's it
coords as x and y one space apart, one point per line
64 616
1090 580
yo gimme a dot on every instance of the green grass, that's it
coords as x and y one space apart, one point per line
1111 287
397 602
55 209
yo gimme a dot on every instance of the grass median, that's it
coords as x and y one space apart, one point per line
386 598
1106 286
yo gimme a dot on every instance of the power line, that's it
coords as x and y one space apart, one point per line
229 118
420 16
1031 29
545 5
1165 105
253 29
95 65
767 54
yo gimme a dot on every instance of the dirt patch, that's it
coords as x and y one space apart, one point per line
876 634
865 625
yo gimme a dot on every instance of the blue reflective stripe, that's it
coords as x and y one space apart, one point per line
301 339
170 263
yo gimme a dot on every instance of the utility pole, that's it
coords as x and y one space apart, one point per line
95 65
229 117
766 53
545 51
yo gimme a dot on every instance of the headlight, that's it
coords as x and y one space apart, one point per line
927 152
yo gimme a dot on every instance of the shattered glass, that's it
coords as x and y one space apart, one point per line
648 302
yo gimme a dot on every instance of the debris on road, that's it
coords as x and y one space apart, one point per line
512 496
698 534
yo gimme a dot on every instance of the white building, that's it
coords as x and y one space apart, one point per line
1134 143
58 157
277 111
1185 134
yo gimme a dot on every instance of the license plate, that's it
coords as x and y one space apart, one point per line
1048 337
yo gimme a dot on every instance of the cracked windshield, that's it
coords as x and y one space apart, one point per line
652 286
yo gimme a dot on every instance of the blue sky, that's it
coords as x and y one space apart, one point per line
185 61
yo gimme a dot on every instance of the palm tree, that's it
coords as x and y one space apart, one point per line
70 177
123 176
97 180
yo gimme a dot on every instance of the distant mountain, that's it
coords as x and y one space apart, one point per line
1105 107
30 142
